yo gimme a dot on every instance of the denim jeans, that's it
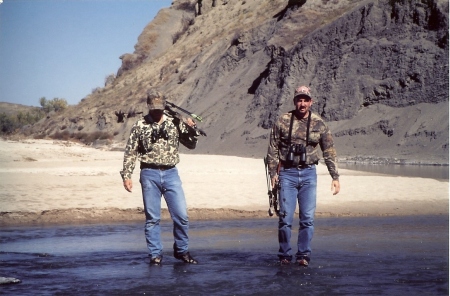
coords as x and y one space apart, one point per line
156 183
297 185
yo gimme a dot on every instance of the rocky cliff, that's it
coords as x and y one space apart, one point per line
378 71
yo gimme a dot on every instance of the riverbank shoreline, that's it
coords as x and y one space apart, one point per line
45 182
107 216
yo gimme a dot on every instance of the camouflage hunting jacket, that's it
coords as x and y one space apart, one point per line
158 150
319 137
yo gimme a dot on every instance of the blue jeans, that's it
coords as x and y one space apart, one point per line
297 185
156 183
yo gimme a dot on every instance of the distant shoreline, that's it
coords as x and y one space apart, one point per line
391 161
367 159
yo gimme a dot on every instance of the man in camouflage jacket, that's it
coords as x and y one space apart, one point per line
154 140
295 172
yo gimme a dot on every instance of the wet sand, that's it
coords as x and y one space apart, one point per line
47 182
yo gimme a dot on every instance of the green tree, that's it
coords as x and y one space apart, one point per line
44 104
57 104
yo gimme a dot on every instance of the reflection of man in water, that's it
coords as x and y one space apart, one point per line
155 140
292 157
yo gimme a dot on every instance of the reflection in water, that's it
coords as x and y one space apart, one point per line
351 256
421 171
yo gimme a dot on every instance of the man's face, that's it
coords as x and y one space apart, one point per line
156 114
302 105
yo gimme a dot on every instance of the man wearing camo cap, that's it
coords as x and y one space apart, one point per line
292 156
154 140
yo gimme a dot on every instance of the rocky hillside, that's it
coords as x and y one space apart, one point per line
378 71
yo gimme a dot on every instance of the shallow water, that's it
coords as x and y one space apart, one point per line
351 256
420 171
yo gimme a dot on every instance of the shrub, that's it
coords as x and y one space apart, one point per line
8 124
186 6
11 122
64 135
110 79
57 104
86 138
183 76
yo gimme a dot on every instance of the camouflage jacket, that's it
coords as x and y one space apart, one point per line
161 149
319 136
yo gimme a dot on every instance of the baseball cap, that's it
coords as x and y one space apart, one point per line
155 100
303 91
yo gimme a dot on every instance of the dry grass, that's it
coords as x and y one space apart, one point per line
146 42
186 22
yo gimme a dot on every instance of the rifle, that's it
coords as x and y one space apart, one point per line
178 116
272 192
199 118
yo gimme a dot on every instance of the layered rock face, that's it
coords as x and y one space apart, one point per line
382 54
390 53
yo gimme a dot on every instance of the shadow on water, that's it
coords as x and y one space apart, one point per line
351 256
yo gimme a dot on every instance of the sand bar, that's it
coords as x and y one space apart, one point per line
48 182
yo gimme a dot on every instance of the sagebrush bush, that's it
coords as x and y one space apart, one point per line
64 135
11 122
85 138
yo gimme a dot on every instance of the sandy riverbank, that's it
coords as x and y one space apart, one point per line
53 182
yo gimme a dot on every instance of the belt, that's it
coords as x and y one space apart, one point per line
145 165
299 167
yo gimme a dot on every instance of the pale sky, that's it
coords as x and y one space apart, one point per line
66 48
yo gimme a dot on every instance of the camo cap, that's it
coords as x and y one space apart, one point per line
303 91
155 100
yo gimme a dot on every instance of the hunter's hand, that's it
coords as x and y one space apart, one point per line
128 184
335 187
189 122
274 180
